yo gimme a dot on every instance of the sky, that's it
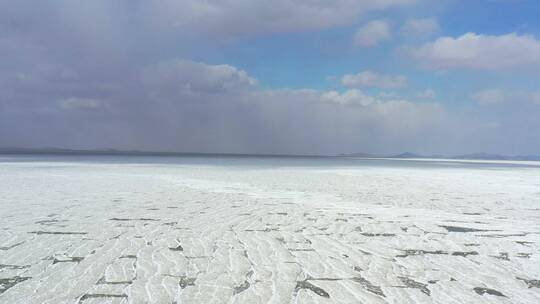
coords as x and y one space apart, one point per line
272 77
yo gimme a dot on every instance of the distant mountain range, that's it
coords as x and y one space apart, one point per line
112 152
472 156
406 155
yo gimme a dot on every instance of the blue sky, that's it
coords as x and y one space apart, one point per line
287 76
317 59
310 58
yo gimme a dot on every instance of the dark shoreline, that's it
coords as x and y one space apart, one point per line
404 156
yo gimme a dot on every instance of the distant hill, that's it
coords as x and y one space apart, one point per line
405 155
11 150
112 152
363 155
408 155
486 156
472 156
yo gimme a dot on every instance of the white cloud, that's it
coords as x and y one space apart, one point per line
349 97
427 94
535 98
80 103
373 79
420 27
492 97
489 97
232 17
475 51
372 34
387 95
191 76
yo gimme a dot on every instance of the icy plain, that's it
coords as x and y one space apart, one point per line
285 232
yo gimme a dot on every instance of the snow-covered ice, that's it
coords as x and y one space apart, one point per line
151 232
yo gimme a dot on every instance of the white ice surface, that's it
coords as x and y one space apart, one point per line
149 233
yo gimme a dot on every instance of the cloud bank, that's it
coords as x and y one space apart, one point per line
473 51
420 27
372 34
184 105
373 79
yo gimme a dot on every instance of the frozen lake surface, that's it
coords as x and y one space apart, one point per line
267 230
